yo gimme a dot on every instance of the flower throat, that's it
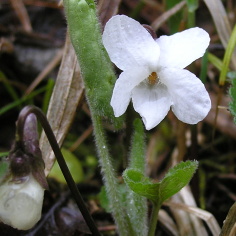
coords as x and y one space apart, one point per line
153 78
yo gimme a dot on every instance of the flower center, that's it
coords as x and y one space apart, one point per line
153 78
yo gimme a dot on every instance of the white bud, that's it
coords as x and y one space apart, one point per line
21 203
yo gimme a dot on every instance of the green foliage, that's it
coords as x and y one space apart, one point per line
192 5
21 100
141 185
232 94
174 21
9 88
204 68
3 169
47 95
104 200
227 56
74 166
176 178
95 64
137 153
137 204
215 61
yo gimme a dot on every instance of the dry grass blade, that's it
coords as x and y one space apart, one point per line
22 14
168 222
204 215
54 62
189 200
165 16
188 205
187 224
222 24
67 93
86 133
225 122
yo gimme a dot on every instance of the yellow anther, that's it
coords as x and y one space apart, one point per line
153 78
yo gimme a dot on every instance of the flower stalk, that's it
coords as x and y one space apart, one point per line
110 180
153 220
61 161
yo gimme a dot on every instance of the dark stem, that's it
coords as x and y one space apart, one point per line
61 161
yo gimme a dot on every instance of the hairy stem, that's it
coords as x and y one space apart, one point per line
111 185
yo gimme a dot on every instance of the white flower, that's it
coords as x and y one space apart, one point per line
153 74
21 203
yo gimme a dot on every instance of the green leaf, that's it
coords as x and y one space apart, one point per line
176 178
74 166
232 94
104 201
141 185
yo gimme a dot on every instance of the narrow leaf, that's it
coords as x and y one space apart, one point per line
227 57
215 61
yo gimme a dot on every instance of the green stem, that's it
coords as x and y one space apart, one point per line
60 159
191 19
137 205
111 185
153 220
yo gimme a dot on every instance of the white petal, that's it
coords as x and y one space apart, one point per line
129 44
191 101
181 49
151 102
123 87
21 199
